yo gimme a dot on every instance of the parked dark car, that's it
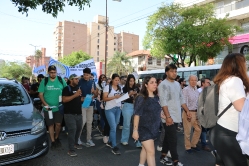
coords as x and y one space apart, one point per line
22 130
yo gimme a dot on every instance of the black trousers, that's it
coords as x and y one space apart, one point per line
74 125
227 147
106 127
170 140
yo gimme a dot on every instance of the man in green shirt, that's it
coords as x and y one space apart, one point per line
50 93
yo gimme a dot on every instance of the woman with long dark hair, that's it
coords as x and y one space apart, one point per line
147 120
112 110
128 108
233 83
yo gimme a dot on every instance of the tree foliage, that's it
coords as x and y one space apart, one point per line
119 64
49 6
187 32
75 58
15 70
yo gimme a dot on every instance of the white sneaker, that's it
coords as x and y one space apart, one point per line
159 148
79 142
168 154
179 164
124 143
90 143
105 139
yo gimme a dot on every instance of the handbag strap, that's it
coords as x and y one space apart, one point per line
225 110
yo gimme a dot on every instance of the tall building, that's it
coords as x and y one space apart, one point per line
33 61
90 38
238 11
69 36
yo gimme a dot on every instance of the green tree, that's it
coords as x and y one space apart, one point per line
38 55
75 58
193 32
119 64
49 6
15 70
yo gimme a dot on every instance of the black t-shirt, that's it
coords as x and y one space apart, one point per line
131 99
35 87
73 106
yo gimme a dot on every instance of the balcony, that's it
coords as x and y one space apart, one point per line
236 10
188 3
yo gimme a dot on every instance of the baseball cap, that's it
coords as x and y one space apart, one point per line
72 76
52 67
40 76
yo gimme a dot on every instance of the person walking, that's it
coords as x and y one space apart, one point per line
171 100
233 84
34 87
112 110
71 98
191 95
128 109
50 93
87 86
147 117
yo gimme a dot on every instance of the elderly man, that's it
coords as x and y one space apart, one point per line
191 96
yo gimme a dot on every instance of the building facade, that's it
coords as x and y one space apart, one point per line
238 11
142 60
34 61
90 38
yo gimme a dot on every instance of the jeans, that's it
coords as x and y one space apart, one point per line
87 116
161 136
106 126
204 136
127 112
74 124
228 149
170 140
113 116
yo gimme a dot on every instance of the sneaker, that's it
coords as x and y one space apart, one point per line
159 148
79 142
138 145
166 161
76 146
109 144
214 153
178 163
169 154
58 142
72 153
90 143
105 139
189 151
53 146
124 143
196 149
116 151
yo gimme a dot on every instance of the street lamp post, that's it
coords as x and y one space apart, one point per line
106 31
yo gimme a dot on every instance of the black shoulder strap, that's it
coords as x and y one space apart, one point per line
60 79
69 88
46 81
110 88
225 110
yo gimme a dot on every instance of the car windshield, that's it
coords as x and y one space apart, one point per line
12 94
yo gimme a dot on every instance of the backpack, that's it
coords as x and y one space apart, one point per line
243 133
59 78
208 107
110 89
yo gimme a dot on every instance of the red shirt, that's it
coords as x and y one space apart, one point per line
26 86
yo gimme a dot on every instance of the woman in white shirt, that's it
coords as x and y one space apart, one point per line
112 110
233 84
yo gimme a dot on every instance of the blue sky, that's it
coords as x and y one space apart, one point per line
18 31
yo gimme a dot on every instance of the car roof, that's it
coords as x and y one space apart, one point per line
5 81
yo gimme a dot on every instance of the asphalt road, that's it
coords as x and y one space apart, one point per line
101 155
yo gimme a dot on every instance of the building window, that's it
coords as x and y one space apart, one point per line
150 61
114 44
114 38
98 53
106 48
98 34
98 27
166 61
97 46
98 40
97 59
114 49
158 62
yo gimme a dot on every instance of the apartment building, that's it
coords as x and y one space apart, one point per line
34 61
142 60
238 11
69 36
90 38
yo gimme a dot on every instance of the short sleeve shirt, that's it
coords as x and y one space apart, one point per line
112 103
52 92
131 99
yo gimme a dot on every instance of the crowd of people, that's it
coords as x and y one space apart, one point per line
167 104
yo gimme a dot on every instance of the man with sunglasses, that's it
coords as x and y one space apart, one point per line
50 93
